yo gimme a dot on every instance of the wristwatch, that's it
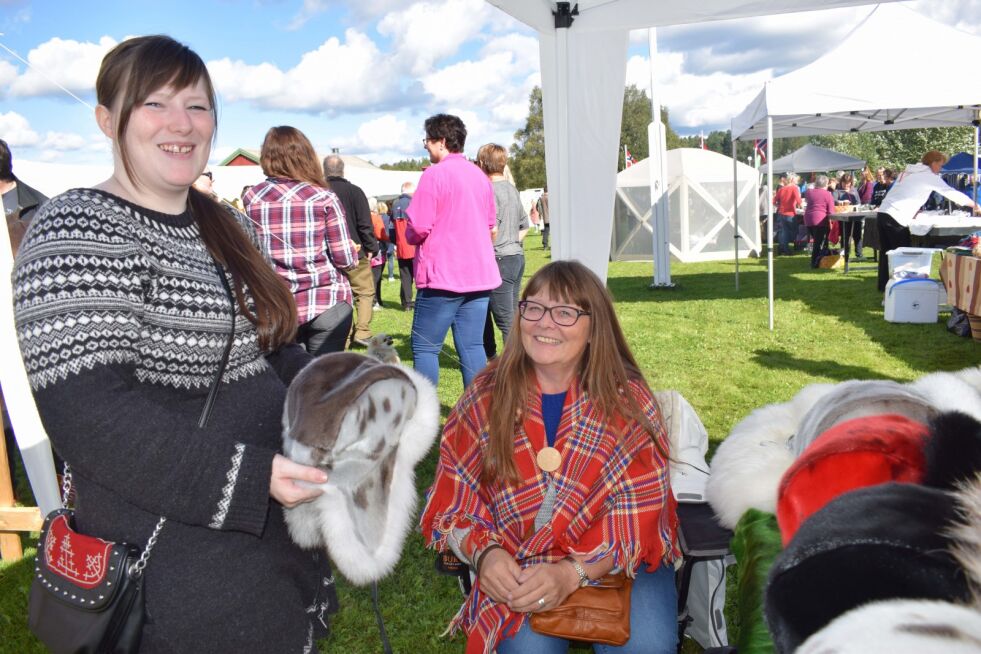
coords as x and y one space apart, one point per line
583 577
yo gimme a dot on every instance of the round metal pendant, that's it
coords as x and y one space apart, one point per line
549 459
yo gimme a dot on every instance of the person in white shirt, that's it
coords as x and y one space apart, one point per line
901 204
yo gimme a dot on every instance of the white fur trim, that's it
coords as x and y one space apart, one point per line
899 626
748 465
327 520
952 391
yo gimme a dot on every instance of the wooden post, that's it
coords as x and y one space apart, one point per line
12 518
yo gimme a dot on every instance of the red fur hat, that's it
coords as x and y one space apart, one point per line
853 454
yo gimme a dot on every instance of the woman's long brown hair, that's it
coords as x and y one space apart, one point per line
130 72
606 369
287 152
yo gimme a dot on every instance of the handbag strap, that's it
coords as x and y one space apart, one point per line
136 570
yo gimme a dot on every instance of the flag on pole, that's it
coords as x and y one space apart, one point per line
701 139
759 147
628 160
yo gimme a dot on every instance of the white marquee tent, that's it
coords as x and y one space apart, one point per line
922 89
699 189
583 49
53 178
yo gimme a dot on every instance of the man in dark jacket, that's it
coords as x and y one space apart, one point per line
20 201
358 217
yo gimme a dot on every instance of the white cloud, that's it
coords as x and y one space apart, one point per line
16 130
335 76
309 9
386 132
8 73
427 32
694 100
471 83
72 64
62 141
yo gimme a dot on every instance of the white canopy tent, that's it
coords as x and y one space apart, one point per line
921 90
700 206
583 49
54 178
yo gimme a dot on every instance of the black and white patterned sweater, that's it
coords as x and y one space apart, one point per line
122 321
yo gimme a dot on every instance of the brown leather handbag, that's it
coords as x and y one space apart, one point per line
598 613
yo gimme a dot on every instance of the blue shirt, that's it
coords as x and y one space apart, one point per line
552 404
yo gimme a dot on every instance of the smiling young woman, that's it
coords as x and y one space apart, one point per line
126 296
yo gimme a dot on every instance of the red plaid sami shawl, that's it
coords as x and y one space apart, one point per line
613 496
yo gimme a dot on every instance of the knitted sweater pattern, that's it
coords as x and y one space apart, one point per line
122 321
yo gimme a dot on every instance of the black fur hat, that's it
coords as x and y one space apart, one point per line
870 544
953 452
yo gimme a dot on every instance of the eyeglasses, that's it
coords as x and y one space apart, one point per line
427 141
209 175
561 315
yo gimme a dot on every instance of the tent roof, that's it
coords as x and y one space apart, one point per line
54 178
920 89
960 163
813 159
597 15
703 165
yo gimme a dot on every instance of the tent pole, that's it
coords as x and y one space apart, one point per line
977 134
735 209
769 214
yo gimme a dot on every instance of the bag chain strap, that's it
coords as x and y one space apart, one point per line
135 570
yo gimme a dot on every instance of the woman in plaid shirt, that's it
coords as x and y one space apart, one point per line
553 472
302 226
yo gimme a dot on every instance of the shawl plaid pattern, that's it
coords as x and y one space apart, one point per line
613 496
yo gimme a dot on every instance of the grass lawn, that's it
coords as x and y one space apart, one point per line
702 338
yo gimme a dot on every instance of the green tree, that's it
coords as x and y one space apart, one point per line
527 160
407 164
897 148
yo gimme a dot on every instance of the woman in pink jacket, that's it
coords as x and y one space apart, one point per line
452 221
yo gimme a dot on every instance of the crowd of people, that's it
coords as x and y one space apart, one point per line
804 212
145 300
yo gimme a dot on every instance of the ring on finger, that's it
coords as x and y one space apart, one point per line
541 603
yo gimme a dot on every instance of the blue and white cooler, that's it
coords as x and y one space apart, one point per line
913 300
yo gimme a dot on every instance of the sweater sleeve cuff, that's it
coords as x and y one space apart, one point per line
244 504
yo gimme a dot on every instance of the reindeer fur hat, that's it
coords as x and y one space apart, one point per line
367 424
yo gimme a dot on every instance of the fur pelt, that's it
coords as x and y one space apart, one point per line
857 399
952 391
953 453
748 465
853 454
924 627
900 627
879 543
366 424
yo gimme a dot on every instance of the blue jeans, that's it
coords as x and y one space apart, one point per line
653 622
503 303
787 230
438 311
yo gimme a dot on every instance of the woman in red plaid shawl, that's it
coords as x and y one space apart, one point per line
553 471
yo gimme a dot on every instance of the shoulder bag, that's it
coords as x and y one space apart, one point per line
87 593
597 613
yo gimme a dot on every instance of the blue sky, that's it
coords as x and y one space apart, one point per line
363 75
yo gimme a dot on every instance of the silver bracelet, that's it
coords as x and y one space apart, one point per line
581 571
